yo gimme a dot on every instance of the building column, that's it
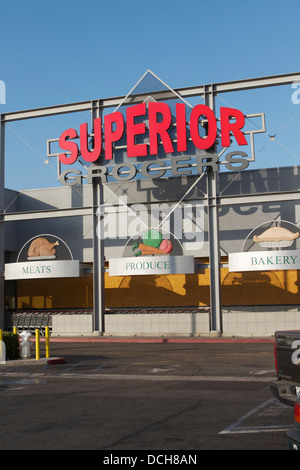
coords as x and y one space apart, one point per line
213 234
98 244
2 207
98 258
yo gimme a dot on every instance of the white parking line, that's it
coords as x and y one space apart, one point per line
236 428
257 429
259 372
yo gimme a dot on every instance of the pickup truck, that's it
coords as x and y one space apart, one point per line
287 362
287 386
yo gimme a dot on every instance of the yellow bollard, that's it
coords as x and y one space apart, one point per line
37 344
15 330
47 341
2 349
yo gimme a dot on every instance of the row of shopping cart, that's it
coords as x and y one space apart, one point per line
29 322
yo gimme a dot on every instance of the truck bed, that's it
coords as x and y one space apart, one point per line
287 359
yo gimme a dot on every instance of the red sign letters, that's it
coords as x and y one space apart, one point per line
159 116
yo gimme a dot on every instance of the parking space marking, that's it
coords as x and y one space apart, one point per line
238 426
157 369
9 384
257 429
260 372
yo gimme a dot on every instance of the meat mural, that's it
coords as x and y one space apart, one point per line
41 248
44 256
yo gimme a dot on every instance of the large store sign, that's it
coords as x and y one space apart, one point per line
44 256
114 128
152 122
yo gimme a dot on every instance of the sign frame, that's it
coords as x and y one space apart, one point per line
96 107
271 260
43 269
151 265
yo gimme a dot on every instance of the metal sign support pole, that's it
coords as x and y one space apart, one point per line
213 234
214 253
2 207
98 247
98 258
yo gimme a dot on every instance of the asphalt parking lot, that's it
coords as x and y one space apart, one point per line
144 396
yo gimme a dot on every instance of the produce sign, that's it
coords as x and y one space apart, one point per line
151 265
151 255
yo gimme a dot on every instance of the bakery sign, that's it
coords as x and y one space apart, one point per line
44 256
271 249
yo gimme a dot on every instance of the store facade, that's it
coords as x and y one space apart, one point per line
149 237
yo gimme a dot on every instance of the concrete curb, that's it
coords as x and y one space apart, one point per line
35 362
103 339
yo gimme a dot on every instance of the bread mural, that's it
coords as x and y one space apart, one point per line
41 247
276 237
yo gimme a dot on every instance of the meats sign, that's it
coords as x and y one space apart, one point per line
44 256
145 127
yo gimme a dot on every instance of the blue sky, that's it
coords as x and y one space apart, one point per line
64 51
